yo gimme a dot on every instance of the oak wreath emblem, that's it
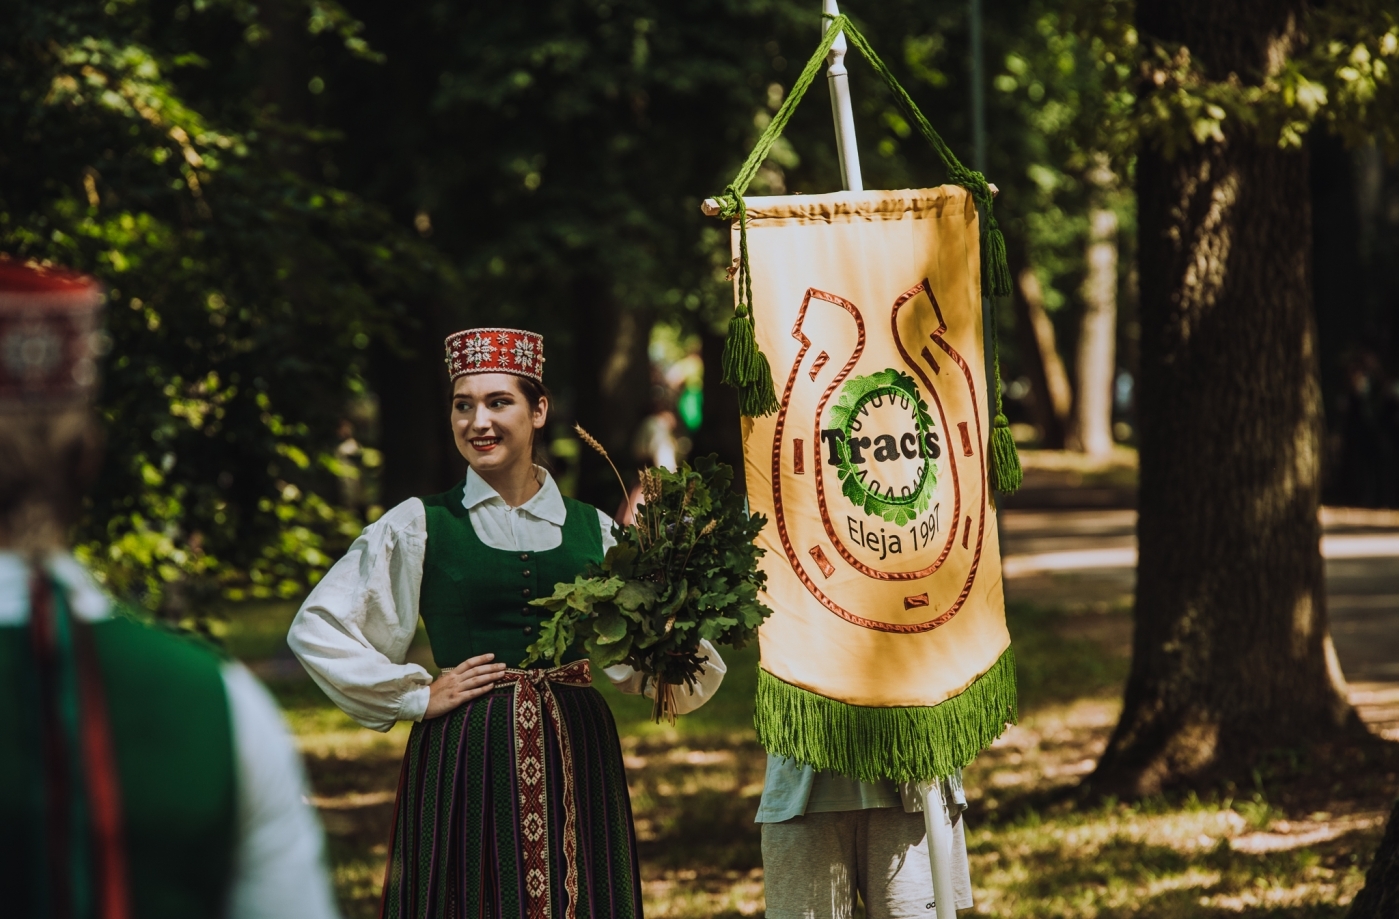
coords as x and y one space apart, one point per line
857 397
903 464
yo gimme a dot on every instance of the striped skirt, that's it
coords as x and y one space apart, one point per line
462 842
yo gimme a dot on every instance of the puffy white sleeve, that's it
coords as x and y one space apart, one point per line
353 632
279 858
687 698
607 523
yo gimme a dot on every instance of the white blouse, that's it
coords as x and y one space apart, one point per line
353 632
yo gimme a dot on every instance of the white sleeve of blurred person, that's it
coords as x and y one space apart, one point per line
353 632
279 864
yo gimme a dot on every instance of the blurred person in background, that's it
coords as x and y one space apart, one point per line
512 800
655 444
142 776
1366 473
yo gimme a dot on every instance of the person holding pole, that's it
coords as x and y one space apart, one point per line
512 799
886 665
142 775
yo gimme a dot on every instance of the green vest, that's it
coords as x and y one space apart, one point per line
173 742
475 599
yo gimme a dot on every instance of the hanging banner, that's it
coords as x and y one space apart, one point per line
887 655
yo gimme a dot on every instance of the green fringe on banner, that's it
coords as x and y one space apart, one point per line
906 744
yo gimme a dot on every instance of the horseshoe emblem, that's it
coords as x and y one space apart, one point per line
887 447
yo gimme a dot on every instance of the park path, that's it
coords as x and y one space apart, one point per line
1084 560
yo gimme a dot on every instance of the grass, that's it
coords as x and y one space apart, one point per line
1280 850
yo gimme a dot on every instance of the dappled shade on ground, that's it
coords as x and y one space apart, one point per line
1295 844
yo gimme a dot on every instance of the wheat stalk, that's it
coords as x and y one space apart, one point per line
592 441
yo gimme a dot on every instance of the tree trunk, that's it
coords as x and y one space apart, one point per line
1379 899
415 428
612 387
1232 654
720 431
1095 366
1053 397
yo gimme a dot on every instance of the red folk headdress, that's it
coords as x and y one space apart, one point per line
48 333
496 351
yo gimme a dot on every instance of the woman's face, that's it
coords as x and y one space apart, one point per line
493 422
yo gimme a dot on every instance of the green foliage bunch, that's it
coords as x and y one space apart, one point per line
1068 80
144 142
1336 70
686 570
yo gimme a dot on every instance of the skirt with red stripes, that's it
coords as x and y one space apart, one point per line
460 844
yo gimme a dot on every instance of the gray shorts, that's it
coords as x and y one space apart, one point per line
814 865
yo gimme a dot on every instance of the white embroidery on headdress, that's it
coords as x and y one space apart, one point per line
477 350
524 354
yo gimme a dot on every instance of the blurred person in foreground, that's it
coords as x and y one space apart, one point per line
142 776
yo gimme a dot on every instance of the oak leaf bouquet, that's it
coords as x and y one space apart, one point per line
686 570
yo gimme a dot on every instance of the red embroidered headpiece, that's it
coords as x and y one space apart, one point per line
496 351
48 333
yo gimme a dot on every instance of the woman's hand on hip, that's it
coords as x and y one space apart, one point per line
453 688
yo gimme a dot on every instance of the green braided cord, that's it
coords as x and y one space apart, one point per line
744 364
993 255
773 131
905 744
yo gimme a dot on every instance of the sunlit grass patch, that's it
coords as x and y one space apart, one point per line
685 894
1034 851
1157 861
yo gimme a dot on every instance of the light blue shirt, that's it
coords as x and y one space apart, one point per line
792 789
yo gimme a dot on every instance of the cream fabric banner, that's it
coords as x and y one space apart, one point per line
883 567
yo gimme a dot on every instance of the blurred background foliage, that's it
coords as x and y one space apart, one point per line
293 201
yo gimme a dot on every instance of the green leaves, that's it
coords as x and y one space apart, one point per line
686 571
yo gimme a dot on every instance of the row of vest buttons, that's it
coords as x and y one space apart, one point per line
529 629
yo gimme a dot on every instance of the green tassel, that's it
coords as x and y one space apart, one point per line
747 369
1006 474
905 744
739 350
1000 269
758 397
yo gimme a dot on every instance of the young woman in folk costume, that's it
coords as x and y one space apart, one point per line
512 800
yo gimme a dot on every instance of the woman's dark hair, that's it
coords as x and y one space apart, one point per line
533 391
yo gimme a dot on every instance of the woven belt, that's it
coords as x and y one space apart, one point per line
534 701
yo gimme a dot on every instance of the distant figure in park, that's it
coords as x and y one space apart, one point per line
512 800
142 776
1366 472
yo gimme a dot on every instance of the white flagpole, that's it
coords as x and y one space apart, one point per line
839 81
935 820
940 841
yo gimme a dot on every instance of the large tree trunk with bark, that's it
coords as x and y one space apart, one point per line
720 431
1232 654
1380 897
